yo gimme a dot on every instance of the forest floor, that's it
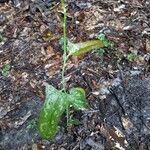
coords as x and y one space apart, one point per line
117 81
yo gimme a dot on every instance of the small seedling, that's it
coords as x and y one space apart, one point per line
106 43
5 70
100 52
104 40
32 124
74 121
2 39
131 57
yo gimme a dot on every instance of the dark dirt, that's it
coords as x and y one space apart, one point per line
118 89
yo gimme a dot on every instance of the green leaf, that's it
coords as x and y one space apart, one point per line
79 49
78 99
2 39
74 121
5 70
32 124
104 40
55 104
100 52
131 57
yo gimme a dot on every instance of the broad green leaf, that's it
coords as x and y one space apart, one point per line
55 104
78 99
79 49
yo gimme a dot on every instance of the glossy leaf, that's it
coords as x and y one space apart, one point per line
79 49
78 99
55 104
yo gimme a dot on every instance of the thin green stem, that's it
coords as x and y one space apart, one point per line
65 56
64 45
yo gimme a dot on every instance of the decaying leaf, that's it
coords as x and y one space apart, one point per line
115 136
47 35
148 45
126 122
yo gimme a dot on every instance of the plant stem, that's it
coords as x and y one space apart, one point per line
64 45
65 56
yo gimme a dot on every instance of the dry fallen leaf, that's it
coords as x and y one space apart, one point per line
126 123
115 136
148 45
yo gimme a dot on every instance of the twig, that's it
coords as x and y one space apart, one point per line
118 101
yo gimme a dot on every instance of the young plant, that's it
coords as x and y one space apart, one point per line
2 39
132 57
59 101
5 70
104 40
106 43
32 124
